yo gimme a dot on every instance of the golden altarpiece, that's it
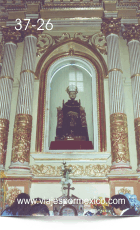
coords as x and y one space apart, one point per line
95 47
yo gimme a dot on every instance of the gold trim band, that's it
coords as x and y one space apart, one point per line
28 71
10 78
135 75
115 69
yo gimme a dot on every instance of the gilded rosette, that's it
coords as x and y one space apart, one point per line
4 129
11 35
119 138
137 134
111 26
22 138
31 30
132 32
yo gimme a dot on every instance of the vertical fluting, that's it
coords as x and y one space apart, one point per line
134 57
6 85
6 82
26 87
118 119
116 94
23 119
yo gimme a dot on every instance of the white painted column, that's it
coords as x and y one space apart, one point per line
116 91
23 120
6 85
132 34
118 119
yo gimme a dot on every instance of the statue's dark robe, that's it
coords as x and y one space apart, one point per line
67 128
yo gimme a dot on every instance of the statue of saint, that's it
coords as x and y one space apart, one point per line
71 119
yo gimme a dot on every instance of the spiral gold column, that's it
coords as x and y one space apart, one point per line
118 119
11 37
23 119
132 34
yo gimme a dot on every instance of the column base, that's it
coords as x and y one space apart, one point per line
2 168
19 168
138 169
121 166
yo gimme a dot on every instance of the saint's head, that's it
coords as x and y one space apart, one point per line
72 91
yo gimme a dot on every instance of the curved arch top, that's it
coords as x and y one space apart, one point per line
48 70
51 49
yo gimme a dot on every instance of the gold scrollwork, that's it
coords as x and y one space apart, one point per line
77 170
46 41
4 129
47 170
137 135
97 170
11 194
124 190
119 138
11 35
132 32
22 138
111 26
31 30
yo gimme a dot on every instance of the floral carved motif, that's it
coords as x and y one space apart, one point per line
11 35
97 170
124 190
46 41
44 170
137 134
132 31
77 170
111 25
4 128
22 138
11 194
119 138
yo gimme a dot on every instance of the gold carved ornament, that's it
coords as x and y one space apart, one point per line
137 135
124 190
22 138
11 35
119 138
45 41
11 195
132 32
4 129
30 30
111 26
77 170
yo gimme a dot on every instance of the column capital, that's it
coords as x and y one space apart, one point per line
111 26
10 34
131 32
31 30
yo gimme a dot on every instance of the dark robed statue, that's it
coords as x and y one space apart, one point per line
71 119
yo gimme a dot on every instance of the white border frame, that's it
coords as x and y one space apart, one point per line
50 75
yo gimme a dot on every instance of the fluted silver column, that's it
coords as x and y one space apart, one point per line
132 34
11 37
118 119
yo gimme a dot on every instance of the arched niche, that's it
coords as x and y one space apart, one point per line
95 72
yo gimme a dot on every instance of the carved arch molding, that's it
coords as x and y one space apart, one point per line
54 48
